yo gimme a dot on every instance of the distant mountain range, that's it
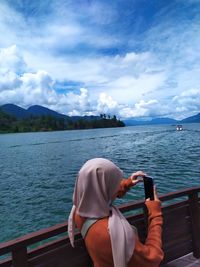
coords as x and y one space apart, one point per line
192 119
37 110
130 122
14 119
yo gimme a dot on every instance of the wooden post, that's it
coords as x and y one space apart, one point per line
19 257
195 220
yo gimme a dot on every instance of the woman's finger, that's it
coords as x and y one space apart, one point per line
155 193
136 174
136 181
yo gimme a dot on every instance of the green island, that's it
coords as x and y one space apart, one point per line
11 124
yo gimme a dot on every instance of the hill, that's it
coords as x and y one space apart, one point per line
192 119
37 118
14 110
37 110
132 122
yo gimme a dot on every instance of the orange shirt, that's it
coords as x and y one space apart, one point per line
98 241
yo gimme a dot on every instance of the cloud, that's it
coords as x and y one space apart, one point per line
151 108
126 60
187 103
11 65
11 60
106 104
125 78
29 88
77 104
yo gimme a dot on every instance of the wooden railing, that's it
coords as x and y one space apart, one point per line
181 232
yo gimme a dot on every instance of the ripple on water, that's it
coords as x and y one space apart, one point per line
38 170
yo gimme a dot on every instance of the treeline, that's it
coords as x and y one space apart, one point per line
9 124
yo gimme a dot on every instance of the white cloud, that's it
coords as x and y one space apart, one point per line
143 108
76 104
129 89
106 104
11 60
65 48
9 80
126 79
187 103
29 88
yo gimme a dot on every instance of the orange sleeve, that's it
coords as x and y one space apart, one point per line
125 186
150 253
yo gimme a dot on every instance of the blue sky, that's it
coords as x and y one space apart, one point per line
133 58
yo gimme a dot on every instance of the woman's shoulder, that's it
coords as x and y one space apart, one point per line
99 232
98 240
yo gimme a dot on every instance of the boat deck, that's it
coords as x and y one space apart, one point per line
185 261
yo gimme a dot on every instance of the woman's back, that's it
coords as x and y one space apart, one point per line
98 241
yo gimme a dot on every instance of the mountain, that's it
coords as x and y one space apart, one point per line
163 121
37 110
195 118
131 122
15 111
38 118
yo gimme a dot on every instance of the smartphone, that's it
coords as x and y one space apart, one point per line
148 187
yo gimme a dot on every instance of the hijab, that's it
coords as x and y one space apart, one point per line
97 182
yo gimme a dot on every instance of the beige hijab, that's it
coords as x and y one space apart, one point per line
97 182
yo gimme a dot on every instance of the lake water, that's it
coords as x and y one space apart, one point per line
38 170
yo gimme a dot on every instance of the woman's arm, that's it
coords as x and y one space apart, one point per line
126 184
150 253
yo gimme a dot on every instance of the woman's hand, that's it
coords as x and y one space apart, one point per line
135 175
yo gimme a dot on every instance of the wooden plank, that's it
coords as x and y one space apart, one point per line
173 206
177 251
172 218
47 247
63 256
175 240
32 238
55 245
172 239
185 261
6 263
195 218
19 257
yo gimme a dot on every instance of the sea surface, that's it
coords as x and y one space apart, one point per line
38 170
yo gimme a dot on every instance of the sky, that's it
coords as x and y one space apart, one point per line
133 58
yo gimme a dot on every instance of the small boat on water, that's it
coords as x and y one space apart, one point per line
181 232
179 127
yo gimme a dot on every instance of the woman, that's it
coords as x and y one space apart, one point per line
109 238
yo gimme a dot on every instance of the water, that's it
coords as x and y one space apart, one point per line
38 170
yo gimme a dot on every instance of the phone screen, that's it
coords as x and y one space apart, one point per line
148 187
